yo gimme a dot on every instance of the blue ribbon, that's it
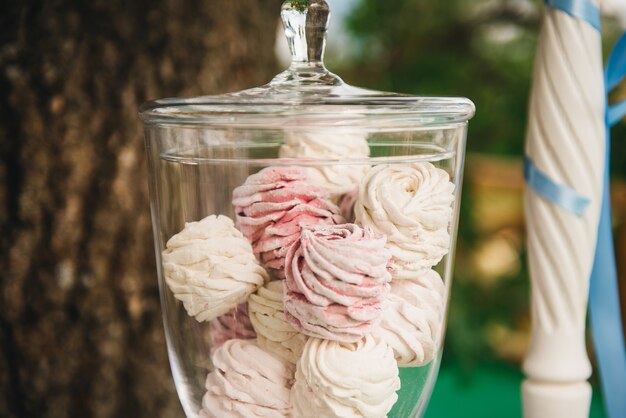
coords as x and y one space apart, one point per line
604 304
615 113
616 65
560 195
581 9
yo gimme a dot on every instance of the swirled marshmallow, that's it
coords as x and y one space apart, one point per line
210 267
336 379
274 204
336 145
412 205
267 314
336 281
413 320
248 382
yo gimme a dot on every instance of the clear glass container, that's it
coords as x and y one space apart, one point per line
305 235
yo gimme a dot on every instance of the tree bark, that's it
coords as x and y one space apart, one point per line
80 326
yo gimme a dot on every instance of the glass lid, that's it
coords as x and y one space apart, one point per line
307 93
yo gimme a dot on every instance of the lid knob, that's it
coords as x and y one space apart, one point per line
306 25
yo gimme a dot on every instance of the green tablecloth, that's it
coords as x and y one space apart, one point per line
490 392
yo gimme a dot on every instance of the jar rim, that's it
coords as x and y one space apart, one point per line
376 111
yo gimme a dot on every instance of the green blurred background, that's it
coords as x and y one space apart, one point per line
484 50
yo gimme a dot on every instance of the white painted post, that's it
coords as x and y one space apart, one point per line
566 140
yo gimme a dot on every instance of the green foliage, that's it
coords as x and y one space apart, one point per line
300 5
477 49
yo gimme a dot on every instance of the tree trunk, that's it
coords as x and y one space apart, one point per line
80 325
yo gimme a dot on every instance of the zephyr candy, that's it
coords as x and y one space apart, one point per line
210 267
248 381
234 324
267 314
337 281
337 179
412 205
336 379
413 320
273 205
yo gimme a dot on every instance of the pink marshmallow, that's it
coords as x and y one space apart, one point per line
235 324
273 205
337 281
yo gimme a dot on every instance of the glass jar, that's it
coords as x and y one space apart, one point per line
305 234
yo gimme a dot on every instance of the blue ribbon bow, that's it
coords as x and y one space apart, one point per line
604 305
